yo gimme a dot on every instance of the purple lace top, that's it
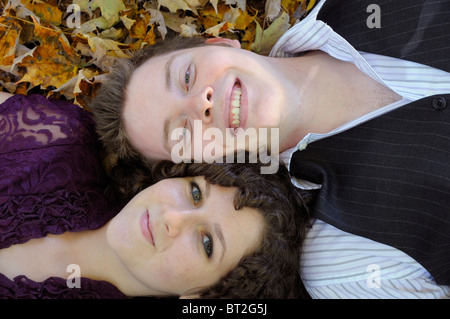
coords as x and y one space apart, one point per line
51 181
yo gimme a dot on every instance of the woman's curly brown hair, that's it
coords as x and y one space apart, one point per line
272 271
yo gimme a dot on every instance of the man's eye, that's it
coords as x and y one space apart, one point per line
196 193
207 244
185 130
187 78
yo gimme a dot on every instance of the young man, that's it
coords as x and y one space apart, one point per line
312 98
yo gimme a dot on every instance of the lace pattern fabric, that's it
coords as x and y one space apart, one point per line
51 181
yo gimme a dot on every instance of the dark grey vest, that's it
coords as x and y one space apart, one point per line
415 30
389 180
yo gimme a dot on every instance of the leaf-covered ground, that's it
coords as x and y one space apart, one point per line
63 49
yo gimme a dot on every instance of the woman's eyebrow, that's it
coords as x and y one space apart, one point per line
217 228
219 234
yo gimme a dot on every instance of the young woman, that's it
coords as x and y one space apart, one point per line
200 231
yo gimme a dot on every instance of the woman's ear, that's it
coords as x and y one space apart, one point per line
232 43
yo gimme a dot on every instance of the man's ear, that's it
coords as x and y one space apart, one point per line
192 296
232 43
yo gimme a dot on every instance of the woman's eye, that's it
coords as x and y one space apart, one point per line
207 244
196 193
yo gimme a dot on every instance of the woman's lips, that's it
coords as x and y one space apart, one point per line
146 229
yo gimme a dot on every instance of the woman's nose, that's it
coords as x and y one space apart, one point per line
176 220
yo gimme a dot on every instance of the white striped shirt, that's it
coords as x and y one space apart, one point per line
336 264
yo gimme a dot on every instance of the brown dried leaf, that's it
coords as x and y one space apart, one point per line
37 47
45 12
9 37
175 5
104 51
53 62
265 39
110 9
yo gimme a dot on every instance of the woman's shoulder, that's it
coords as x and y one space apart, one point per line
42 121
4 96
57 288
50 170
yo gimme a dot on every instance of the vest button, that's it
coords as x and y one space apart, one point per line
439 103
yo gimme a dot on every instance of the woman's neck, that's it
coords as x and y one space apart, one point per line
98 261
89 250
50 256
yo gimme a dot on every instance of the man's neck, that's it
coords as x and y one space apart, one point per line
331 93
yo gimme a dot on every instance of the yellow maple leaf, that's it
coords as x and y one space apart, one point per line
110 9
9 37
104 51
108 47
209 17
112 28
291 5
248 38
243 21
310 5
45 12
175 5
224 18
53 62
265 39
297 8
139 28
217 29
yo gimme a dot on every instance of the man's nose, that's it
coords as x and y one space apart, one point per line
203 105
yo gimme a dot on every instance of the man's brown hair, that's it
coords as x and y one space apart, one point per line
108 105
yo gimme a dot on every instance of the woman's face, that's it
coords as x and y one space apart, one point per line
183 233
206 93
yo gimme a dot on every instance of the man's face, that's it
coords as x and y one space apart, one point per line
207 93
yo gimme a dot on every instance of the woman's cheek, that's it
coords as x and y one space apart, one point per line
179 274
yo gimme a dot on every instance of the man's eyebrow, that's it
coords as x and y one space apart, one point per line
169 87
168 75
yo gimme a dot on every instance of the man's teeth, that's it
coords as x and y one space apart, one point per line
236 107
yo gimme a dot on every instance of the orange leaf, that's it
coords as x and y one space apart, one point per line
45 12
243 21
139 29
9 36
208 16
150 36
291 5
53 62
311 4
249 37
